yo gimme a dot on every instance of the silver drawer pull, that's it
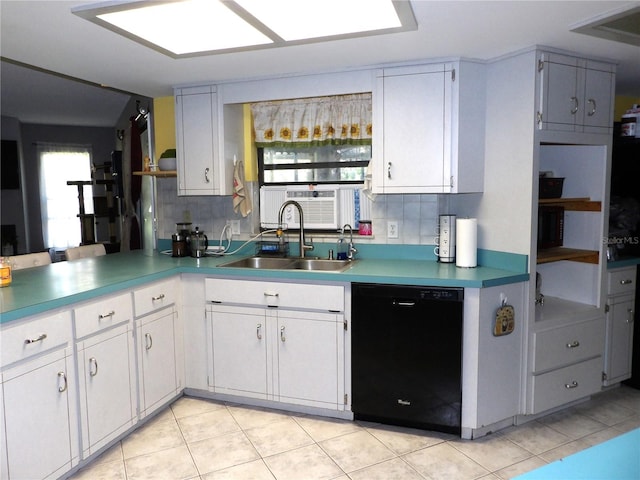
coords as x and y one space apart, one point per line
269 294
259 331
40 338
93 367
102 316
630 317
628 281
63 376
156 298
576 105
148 341
282 336
573 344
573 384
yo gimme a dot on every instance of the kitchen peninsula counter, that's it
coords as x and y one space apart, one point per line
40 289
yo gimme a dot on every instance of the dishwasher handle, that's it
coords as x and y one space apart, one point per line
403 303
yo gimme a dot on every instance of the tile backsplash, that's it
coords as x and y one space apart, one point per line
416 215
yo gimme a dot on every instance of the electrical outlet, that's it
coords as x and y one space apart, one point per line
235 227
392 229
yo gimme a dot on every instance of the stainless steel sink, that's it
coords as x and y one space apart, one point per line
321 264
269 263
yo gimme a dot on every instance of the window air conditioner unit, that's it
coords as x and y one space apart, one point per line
320 207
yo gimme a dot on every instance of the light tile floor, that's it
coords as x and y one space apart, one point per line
208 440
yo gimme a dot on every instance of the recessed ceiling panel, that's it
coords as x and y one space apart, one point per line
619 26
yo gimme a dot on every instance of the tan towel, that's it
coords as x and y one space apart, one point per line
241 200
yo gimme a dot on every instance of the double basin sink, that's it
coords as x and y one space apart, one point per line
280 263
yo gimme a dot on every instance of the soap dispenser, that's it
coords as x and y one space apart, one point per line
342 248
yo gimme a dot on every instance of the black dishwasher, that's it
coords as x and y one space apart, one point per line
406 346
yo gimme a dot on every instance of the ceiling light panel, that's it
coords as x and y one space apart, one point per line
183 28
187 27
298 20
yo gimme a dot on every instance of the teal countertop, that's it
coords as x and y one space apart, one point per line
36 290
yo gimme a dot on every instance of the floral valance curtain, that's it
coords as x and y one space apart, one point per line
305 122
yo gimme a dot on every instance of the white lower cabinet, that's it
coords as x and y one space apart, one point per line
619 325
292 355
159 344
567 362
40 423
38 409
157 373
106 370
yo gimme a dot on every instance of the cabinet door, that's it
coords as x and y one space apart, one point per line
597 98
107 385
157 361
562 102
196 118
619 346
239 346
310 367
414 121
40 431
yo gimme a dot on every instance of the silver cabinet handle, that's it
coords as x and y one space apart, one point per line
39 338
592 111
282 336
575 105
573 344
110 314
158 297
269 294
573 384
148 341
93 367
63 376
630 317
206 175
259 331
389 170
628 281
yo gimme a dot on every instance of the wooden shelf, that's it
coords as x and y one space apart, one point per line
574 204
557 254
158 173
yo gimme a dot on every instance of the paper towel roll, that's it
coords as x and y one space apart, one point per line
466 242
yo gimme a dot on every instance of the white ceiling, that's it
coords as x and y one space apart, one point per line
45 34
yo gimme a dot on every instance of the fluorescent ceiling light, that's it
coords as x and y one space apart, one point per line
298 20
181 28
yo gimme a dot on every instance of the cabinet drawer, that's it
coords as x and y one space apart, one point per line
275 294
621 281
569 344
566 384
104 313
154 297
34 336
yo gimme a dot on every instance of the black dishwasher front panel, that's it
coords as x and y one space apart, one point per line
407 355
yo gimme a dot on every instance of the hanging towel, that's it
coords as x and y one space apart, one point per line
241 200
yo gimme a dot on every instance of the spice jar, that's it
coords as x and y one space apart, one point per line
5 272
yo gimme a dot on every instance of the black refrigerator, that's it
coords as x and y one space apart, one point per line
624 220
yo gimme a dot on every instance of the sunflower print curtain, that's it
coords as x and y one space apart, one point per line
307 122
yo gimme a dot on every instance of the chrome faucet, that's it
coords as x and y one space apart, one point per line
352 250
303 245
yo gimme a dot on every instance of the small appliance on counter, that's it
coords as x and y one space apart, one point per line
180 240
198 243
446 239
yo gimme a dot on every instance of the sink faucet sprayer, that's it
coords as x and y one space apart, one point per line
303 245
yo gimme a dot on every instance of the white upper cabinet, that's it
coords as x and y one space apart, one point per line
422 142
197 141
576 95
